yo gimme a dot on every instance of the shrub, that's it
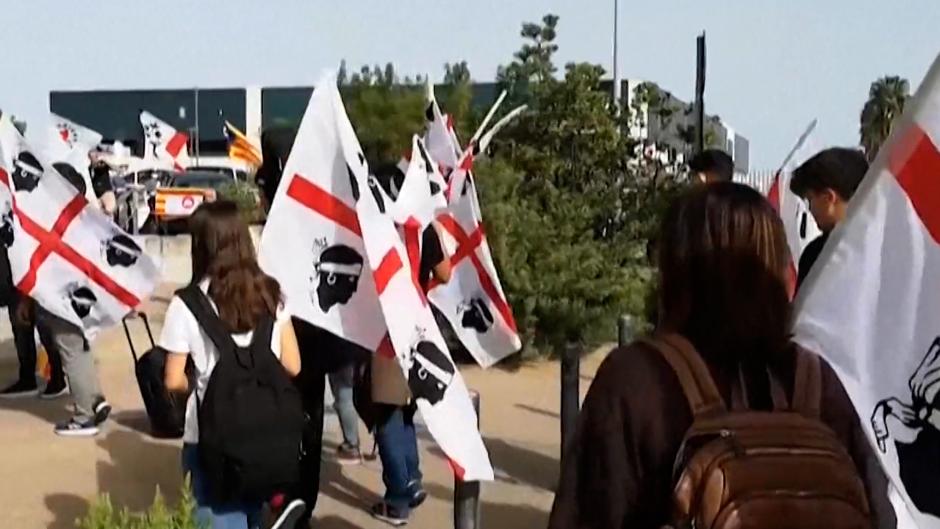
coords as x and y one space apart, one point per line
104 515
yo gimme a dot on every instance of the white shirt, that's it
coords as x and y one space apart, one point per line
182 334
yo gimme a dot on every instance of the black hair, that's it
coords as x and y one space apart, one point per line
714 162
390 177
838 168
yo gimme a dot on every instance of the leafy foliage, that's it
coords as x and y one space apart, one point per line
568 205
886 99
104 515
246 196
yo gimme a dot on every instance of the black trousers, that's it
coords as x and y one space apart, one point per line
25 342
321 353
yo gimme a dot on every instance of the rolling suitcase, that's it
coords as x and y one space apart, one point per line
166 411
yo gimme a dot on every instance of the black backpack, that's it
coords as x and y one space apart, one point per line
251 417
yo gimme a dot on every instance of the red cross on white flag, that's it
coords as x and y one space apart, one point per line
164 144
69 257
473 301
353 278
871 305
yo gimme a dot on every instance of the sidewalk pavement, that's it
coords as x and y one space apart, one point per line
49 481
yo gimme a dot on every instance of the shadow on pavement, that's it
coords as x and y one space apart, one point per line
538 411
67 509
506 516
135 420
138 467
523 465
333 522
338 486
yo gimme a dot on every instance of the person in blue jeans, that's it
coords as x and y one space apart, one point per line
395 430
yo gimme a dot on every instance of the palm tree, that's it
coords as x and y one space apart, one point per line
886 99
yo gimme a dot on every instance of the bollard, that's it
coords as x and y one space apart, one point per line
467 493
570 392
625 330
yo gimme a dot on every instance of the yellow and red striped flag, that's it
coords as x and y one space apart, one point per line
240 147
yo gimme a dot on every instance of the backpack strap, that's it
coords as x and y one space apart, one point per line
198 303
693 374
807 384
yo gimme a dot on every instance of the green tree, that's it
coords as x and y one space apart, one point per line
886 99
559 210
533 63
342 76
456 97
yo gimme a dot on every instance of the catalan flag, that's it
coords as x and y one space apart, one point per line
240 147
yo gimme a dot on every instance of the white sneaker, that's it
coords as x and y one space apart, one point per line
73 428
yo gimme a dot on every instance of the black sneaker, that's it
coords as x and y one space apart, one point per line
289 516
21 389
102 410
418 498
347 454
74 428
388 514
54 390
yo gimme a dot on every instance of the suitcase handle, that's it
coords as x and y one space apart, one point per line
127 332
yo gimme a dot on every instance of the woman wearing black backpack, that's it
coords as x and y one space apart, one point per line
228 291
718 420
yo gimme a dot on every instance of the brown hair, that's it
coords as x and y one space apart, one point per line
723 260
223 253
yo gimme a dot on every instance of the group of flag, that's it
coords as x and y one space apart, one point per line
346 246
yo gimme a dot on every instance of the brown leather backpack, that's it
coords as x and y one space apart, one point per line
742 469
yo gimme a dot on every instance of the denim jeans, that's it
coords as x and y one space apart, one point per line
245 516
398 449
341 385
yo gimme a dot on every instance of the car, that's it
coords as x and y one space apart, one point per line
199 179
238 175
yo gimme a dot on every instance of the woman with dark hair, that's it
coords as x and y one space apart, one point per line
227 272
723 264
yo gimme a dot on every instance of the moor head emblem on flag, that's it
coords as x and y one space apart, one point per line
337 275
476 315
82 300
27 171
121 250
431 372
6 226
915 429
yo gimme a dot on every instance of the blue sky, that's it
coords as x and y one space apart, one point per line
773 64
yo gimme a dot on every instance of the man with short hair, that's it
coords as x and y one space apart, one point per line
827 182
711 165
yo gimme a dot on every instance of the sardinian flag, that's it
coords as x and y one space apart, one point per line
71 258
350 274
798 223
417 343
871 305
70 143
312 242
75 136
473 300
163 143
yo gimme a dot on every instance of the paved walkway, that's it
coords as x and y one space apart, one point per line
46 481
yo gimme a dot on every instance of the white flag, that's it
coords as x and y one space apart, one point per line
871 305
71 258
70 143
314 244
473 300
75 136
434 381
798 223
164 144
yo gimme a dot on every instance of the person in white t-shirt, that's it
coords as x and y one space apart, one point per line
225 268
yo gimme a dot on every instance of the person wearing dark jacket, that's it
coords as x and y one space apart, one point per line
723 264
22 316
827 181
